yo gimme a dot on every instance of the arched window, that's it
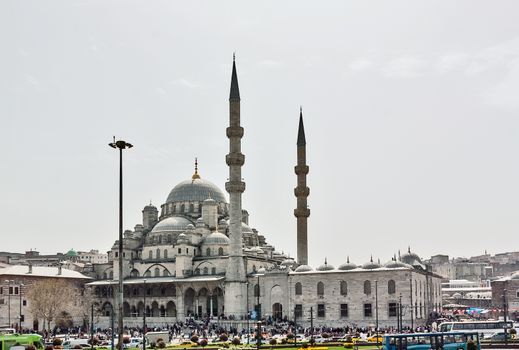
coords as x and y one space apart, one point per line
391 287
158 253
299 288
191 208
150 254
208 252
165 253
344 288
111 275
256 290
168 239
206 271
220 251
182 208
197 271
157 272
160 239
148 273
320 288
213 271
165 273
367 287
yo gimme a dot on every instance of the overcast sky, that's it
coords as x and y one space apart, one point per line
411 111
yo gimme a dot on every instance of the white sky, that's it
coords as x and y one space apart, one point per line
411 112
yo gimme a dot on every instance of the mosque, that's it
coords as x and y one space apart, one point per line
199 258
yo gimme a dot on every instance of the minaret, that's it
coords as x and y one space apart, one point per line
235 277
301 192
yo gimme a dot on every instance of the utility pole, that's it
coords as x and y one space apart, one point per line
505 311
411 297
376 310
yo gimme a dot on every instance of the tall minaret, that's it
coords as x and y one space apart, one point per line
301 192
235 277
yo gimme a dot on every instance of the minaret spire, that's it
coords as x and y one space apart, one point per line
196 175
235 276
301 192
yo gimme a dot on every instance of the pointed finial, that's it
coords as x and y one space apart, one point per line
409 249
325 261
348 259
371 259
399 255
378 261
196 175
301 139
234 56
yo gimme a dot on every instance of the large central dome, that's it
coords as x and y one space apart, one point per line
195 190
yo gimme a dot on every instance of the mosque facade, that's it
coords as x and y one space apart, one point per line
198 257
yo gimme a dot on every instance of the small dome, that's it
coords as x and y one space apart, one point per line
190 226
515 276
216 238
209 201
370 265
182 239
223 223
411 258
325 267
347 265
150 207
457 296
172 223
288 262
303 268
394 264
71 252
262 270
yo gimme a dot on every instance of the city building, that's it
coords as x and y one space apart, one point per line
16 281
196 256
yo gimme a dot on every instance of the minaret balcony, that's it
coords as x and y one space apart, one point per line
301 212
301 191
234 131
235 158
235 186
301 169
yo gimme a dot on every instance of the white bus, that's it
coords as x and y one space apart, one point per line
484 328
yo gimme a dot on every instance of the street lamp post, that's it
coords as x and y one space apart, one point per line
504 315
144 318
248 313
20 294
258 310
120 145
258 335
376 310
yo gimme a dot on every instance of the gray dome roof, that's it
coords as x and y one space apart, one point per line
196 190
393 264
411 258
325 267
515 276
370 265
216 238
347 265
288 262
172 223
303 268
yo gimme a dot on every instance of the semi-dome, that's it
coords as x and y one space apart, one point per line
304 268
325 267
347 265
216 238
172 223
196 190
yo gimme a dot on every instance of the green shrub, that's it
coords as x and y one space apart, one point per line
273 341
202 342
57 341
161 344
194 338
224 337
236 341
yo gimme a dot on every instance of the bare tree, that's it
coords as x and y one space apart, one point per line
49 297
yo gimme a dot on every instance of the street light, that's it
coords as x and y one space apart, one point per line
144 319
248 328
20 294
376 310
120 145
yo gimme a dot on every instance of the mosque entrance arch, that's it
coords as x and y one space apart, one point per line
277 311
